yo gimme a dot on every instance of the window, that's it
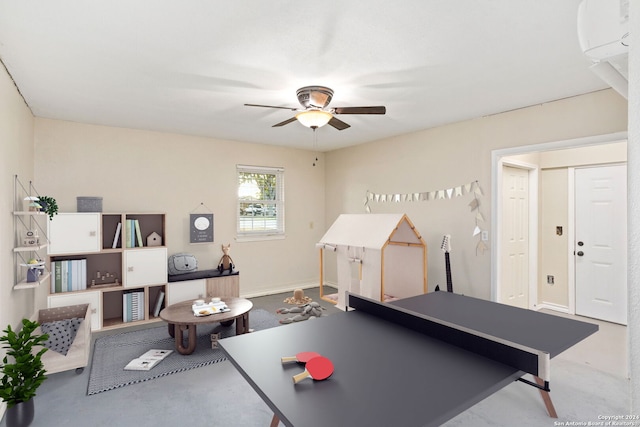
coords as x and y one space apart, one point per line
260 201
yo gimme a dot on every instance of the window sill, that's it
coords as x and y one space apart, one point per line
259 238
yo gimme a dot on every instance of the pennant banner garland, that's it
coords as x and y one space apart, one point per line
443 194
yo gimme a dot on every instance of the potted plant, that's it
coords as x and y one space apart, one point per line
49 205
21 379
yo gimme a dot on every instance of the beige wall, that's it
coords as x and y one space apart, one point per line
136 170
16 158
451 155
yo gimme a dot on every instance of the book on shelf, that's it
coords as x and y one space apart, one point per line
159 301
69 275
136 224
132 306
148 360
117 236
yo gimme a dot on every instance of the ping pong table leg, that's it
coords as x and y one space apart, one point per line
546 398
274 421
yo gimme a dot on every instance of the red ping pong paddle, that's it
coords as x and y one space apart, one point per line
302 357
317 368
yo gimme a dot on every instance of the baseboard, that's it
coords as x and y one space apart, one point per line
279 290
552 306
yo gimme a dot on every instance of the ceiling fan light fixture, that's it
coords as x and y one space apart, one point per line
314 118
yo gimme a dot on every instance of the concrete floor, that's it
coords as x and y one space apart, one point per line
584 386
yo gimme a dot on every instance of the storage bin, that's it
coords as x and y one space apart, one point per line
89 204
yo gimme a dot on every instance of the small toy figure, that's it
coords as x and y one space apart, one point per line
226 263
306 311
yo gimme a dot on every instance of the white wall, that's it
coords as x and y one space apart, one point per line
143 171
451 155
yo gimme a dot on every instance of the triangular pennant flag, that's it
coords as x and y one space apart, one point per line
458 191
479 217
396 197
377 198
467 188
368 209
383 197
416 197
481 247
404 197
433 195
473 204
476 231
449 192
370 196
476 190
424 196
440 194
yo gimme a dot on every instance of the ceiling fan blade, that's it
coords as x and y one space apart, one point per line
338 124
360 110
270 106
286 122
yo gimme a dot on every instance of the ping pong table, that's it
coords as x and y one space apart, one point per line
418 361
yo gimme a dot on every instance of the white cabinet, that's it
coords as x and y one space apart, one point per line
71 233
93 298
145 267
186 290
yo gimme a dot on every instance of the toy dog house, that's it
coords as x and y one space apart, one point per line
379 256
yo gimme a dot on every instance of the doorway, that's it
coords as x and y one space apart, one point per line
540 154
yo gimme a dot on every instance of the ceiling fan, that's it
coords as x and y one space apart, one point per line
315 113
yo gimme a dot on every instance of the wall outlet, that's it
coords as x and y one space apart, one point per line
550 279
485 235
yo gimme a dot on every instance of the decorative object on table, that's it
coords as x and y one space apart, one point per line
21 379
304 312
298 298
226 263
35 269
154 239
48 205
182 263
201 226
89 204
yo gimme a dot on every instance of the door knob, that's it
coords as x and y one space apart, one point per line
580 243
580 253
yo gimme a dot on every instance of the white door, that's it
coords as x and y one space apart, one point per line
514 277
601 242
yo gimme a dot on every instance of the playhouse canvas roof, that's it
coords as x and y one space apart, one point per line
370 230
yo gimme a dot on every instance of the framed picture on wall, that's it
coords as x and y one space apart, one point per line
201 227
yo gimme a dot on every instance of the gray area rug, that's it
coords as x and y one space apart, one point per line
112 353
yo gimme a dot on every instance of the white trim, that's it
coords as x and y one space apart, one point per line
496 179
552 306
571 238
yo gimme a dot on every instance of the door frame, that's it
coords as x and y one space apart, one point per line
532 172
496 173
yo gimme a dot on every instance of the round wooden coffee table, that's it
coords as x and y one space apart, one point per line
181 315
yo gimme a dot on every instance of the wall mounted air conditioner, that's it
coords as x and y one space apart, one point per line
603 32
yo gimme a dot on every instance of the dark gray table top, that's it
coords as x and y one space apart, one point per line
385 374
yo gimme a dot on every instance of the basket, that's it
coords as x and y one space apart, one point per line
89 204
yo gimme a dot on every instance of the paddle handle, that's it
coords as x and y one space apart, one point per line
286 359
302 375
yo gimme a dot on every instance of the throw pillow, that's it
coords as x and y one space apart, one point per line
61 334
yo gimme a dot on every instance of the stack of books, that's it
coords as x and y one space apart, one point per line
69 275
132 306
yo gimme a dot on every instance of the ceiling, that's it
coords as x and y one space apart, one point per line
188 67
